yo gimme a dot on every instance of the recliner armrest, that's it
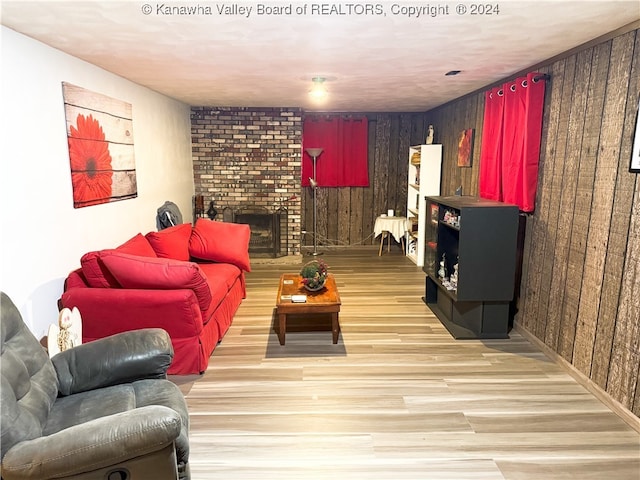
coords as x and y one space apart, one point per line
120 358
106 441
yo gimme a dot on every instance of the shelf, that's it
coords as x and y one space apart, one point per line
484 246
449 293
457 331
467 320
423 179
448 225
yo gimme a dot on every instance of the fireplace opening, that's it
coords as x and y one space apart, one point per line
269 231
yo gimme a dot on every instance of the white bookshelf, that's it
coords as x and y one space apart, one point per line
425 165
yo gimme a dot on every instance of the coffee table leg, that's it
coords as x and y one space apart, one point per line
335 327
282 327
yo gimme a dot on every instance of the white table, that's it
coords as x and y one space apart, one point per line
388 226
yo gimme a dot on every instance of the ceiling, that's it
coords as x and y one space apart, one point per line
376 56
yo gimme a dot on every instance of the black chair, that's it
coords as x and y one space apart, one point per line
101 410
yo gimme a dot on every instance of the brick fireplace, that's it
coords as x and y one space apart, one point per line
248 160
268 231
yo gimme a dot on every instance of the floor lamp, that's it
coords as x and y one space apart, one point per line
314 153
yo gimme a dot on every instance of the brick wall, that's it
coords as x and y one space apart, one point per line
249 158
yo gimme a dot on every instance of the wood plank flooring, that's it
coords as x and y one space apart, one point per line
396 398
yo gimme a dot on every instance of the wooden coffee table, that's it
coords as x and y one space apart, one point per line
326 300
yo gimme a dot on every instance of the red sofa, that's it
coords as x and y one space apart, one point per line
187 280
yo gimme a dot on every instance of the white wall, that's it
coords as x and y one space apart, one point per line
42 236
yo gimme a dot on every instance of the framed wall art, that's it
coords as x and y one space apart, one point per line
465 148
100 140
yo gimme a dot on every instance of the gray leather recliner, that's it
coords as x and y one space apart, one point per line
102 410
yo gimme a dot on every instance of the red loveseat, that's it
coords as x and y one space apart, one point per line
187 281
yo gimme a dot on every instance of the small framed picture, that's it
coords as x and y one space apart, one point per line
634 167
434 213
465 147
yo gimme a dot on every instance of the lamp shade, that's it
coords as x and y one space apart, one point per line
314 152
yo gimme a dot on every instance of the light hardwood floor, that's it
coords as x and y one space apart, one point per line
396 398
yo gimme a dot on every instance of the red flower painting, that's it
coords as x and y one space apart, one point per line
91 171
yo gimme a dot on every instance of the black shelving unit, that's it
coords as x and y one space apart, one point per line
480 236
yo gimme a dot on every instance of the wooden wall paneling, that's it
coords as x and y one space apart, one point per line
343 233
368 195
441 137
404 142
625 369
456 124
560 306
461 173
602 206
550 263
443 134
381 159
464 173
393 200
450 149
467 174
586 330
533 319
459 121
307 216
554 264
450 120
419 127
322 197
330 214
625 365
356 233
453 121
605 339
472 182
477 143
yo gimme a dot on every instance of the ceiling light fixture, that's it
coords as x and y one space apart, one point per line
318 90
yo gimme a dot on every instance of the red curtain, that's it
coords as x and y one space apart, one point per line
343 162
490 178
511 141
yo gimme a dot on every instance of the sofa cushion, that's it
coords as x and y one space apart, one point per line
221 242
137 245
93 269
220 278
172 242
223 271
132 271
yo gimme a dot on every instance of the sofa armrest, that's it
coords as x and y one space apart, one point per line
96 444
120 358
106 311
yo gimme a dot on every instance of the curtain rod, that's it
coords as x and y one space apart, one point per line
544 76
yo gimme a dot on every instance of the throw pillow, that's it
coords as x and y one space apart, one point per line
221 242
172 242
132 271
95 273
137 245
